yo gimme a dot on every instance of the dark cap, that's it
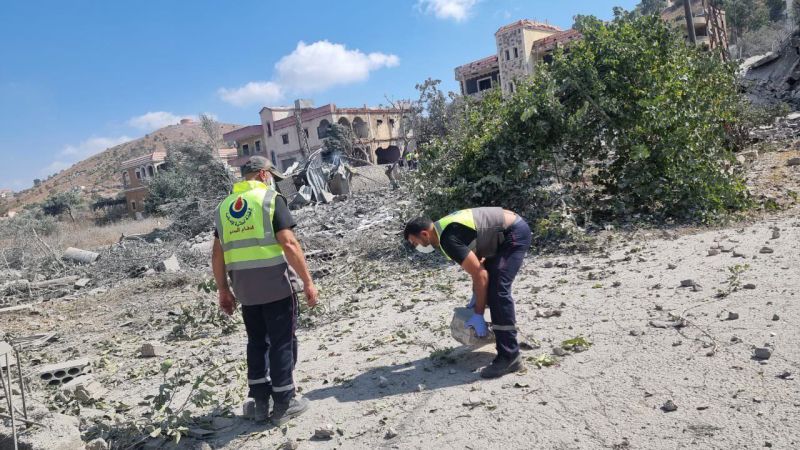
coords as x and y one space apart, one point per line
256 163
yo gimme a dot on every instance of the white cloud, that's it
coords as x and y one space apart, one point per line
311 68
457 10
155 120
71 154
253 92
92 146
323 64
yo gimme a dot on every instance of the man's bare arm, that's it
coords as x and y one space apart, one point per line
480 280
226 299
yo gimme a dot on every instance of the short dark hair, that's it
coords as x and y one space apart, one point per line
414 226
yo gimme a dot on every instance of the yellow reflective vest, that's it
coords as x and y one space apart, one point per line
488 223
244 225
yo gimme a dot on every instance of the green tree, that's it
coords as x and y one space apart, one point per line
629 121
650 7
777 10
62 202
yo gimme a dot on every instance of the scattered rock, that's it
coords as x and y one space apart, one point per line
82 283
169 265
749 286
391 433
151 350
671 266
785 375
669 406
524 345
289 445
793 162
766 250
738 255
762 353
97 444
324 433
732 315
688 283
547 313
473 402
776 233
383 382
202 446
776 317
636 333
199 433
85 389
677 343
558 351
713 252
548 264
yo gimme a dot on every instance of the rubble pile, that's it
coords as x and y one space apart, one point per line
775 77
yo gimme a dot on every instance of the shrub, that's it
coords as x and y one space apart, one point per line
629 121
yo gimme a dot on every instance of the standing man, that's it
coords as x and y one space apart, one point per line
490 244
253 243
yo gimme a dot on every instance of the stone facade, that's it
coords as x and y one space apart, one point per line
135 174
287 130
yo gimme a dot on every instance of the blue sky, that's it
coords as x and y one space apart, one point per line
79 76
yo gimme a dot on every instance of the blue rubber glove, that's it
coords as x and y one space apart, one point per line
471 303
477 322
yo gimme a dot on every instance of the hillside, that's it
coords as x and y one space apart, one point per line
100 175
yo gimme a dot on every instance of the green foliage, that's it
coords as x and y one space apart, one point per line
189 187
734 280
579 341
629 121
195 319
646 7
543 360
62 202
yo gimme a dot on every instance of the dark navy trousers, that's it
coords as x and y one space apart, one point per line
502 270
271 348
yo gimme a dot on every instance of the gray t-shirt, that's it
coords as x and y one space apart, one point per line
265 285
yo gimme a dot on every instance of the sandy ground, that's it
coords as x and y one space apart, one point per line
379 364
394 323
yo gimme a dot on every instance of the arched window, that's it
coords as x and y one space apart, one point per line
360 128
322 129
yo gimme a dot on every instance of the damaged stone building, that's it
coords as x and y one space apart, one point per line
524 44
288 134
521 47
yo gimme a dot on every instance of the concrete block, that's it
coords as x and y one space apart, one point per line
64 372
152 349
84 388
82 283
169 265
466 335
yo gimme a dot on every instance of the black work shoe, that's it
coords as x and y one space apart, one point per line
261 412
501 366
284 412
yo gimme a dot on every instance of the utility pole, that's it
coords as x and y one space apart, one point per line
687 9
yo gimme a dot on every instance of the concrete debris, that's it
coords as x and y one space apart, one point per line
766 250
84 388
97 444
465 335
60 373
749 286
776 233
58 432
80 256
324 433
391 433
669 406
732 315
547 313
152 349
82 283
169 265
289 445
687 283
762 353
793 162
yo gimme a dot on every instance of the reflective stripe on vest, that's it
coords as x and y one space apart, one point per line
463 217
244 224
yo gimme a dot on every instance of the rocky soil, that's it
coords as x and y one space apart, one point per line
690 339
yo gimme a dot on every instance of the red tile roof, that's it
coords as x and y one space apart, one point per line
529 24
481 65
550 42
154 157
